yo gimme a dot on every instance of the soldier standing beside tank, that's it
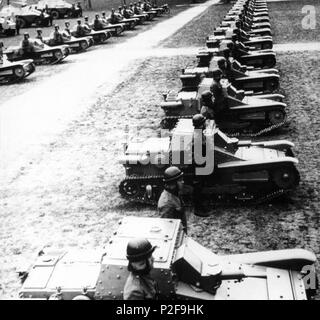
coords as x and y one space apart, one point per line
139 284
18 25
170 204
199 145
1 53
79 7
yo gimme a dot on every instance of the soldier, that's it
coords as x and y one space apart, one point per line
79 7
47 11
113 19
1 53
18 25
39 34
57 36
80 31
97 24
136 10
67 31
139 284
170 203
26 45
220 101
104 18
86 24
207 109
199 124
125 12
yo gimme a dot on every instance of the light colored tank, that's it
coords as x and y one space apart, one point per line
183 269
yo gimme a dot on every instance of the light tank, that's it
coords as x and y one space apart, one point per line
242 114
237 170
42 54
183 269
11 72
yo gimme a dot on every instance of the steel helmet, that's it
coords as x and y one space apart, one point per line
139 249
206 95
39 30
216 72
172 174
198 120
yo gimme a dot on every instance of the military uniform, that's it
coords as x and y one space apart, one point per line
220 97
170 206
140 287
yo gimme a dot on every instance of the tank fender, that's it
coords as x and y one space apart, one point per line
171 105
293 259
276 144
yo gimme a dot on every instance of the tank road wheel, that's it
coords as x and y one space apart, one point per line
102 38
58 55
272 85
19 72
276 116
84 45
55 14
285 178
129 189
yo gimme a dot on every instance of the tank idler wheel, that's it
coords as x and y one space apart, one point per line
19 72
275 117
58 55
272 85
129 188
84 45
102 38
285 178
55 14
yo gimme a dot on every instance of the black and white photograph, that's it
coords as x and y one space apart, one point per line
159 150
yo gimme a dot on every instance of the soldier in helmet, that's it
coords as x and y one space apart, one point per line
86 24
56 36
139 284
219 93
199 145
67 32
1 53
170 203
97 23
26 45
39 34
79 29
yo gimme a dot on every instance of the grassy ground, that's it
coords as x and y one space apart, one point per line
286 21
195 32
69 197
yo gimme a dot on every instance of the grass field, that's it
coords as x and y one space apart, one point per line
286 21
195 32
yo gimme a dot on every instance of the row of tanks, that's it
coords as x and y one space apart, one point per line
238 83
183 268
18 62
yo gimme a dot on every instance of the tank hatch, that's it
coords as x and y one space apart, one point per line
166 234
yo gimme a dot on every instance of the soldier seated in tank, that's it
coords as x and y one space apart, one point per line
1 53
97 23
139 284
86 25
27 46
80 30
125 13
170 204
136 9
56 36
39 34
66 33
215 101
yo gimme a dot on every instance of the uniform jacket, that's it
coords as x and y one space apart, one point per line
140 287
170 206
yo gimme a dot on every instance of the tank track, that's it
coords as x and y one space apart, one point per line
248 200
230 134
